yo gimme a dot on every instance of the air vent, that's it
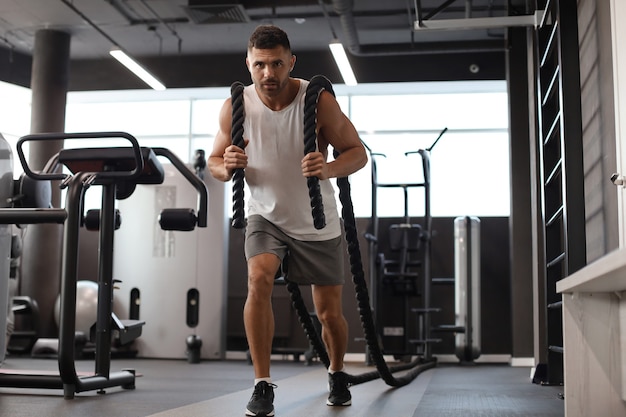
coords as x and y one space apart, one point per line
203 14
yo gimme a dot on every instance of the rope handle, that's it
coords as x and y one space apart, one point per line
236 135
317 84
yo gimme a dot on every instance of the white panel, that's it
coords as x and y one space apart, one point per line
165 265
618 35
592 356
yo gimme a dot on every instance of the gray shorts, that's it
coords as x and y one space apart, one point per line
309 262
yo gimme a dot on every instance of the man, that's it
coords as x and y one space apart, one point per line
279 211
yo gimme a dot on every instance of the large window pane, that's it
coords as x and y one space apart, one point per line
469 175
205 115
469 166
430 111
15 118
137 118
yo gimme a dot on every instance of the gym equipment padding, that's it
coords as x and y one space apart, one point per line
92 220
182 219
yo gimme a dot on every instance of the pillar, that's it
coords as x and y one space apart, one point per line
41 260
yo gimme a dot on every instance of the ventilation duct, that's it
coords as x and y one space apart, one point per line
344 9
202 13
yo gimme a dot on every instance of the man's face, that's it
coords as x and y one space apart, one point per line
269 69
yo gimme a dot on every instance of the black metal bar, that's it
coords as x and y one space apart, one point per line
105 281
125 379
448 328
405 192
428 220
469 290
559 259
128 175
32 216
69 271
430 148
400 185
438 9
51 381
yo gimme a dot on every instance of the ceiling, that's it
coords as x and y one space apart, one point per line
180 29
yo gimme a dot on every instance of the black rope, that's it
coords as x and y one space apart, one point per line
383 371
317 84
362 295
238 116
306 322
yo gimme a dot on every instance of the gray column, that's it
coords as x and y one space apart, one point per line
520 219
41 259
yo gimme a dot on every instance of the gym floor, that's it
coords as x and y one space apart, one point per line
176 388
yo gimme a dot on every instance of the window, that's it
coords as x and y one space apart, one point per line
469 164
15 118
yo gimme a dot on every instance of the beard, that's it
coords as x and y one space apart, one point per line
272 86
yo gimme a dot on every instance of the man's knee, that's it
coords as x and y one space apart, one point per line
260 284
330 317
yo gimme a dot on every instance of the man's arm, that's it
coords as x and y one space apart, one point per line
336 129
225 157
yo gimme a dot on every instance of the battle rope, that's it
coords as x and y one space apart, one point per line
236 135
318 84
310 143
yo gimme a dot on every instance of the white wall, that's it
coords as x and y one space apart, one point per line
165 265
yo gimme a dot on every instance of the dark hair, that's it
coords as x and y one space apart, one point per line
268 37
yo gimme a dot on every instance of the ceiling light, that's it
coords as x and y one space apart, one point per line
339 53
136 69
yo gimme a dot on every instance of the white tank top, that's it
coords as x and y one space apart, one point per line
278 190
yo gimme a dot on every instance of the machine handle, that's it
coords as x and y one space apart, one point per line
129 175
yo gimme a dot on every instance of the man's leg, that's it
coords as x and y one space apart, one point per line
258 316
258 320
328 306
327 301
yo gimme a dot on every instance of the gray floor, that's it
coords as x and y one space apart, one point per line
175 388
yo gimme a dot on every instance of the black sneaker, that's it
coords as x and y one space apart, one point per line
262 402
338 387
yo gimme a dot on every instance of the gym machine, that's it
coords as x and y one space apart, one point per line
401 277
117 170
401 281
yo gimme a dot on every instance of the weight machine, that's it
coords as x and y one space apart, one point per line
117 170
